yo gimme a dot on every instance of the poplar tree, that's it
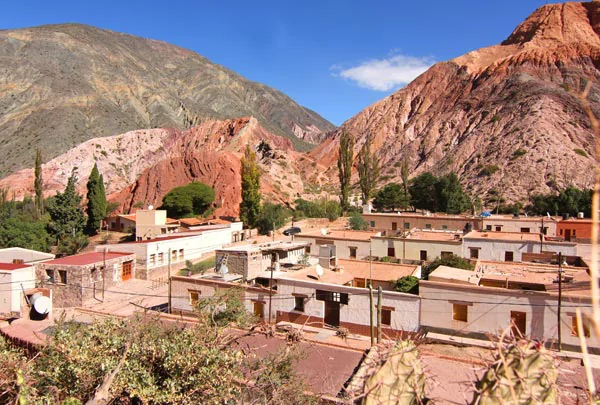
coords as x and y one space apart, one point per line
38 184
250 207
345 161
96 201
368 171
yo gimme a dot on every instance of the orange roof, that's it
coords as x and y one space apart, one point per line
507 236
87 258
441 236
340 234
130 217
328 277
378 271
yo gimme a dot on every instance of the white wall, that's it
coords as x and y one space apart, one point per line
495 249
489 310
342 246
410 249
10 301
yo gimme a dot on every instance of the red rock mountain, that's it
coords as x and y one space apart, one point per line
142 166
508 117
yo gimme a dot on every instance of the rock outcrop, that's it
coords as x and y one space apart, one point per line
507 119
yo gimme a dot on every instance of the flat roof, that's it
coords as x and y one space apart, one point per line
520 218
328 277
416 215
433 235
452 274
7 255
380 271
158 239
266 247
506 236
13 266
340 234
88 258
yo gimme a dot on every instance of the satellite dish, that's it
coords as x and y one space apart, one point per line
151 207
223 269
41 304
323 231
319 270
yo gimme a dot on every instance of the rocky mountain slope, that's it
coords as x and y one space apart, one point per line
140 167
61 85
507 119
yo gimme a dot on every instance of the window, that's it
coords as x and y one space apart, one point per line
331 296
525 230
386 317
360 282
444 227
508 256
498 228
50 276
160 258
423 255
545 230
459 312
407 225
474 253
152 259
427 226
352 252
446 255
391 252
372 224
194 296
574 232
62 277
518 323
561 232
586 327
307 250
174 255
299 304
488 227
394 226
180 254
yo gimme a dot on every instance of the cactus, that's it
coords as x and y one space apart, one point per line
400 380
523 372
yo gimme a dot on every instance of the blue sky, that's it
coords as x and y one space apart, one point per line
335 57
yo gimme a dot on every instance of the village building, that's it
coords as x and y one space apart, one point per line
150 224
418 245
519 223
511 246
15 279
76 279
349 244
121 223
577 230
251 261
520 298
20 255
396 223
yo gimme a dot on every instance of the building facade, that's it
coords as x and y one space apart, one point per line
14 279
393 223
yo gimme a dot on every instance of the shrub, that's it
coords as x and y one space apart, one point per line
488 170
580 152
407 284
357 222
452 261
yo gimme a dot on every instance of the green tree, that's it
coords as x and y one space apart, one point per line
189 200
39 184
322 208
357 222
404 175
250 206
96 201
368 171
24 231
407 284
67 221
272 216
423 193
344 163
450 195
452 261
389 198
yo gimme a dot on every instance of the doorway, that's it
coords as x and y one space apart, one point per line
259 310
332 313
518 323
126 271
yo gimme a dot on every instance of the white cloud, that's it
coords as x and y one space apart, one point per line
385 74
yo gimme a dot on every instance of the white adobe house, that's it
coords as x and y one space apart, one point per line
15 278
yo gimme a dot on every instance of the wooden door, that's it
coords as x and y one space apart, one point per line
259 310
332 313
567 234
518 323
126 271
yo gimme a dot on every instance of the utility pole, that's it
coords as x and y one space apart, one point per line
371 314
542 237
273 231
379 302
559 298
271 287
103 272
169 277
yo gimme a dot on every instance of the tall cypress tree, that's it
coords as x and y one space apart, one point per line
38 184
368 171
250 207
345 161
96 201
